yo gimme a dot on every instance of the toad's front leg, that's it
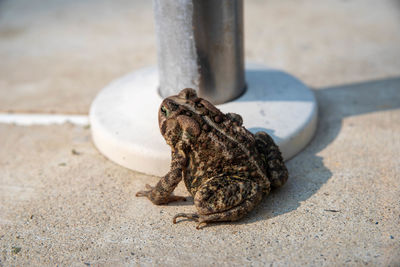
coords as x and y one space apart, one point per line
162 192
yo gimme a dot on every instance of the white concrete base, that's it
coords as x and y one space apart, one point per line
124 120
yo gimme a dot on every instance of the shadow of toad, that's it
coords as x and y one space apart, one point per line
307 172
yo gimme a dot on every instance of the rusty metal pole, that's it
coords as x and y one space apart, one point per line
200 45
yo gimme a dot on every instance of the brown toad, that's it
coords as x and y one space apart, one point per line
225 167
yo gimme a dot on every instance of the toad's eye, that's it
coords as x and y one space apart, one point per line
163 110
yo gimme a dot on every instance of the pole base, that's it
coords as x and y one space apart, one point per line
124 121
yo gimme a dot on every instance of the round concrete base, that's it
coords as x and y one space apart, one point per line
124 119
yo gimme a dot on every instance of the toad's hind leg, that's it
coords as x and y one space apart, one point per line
224 199
275 166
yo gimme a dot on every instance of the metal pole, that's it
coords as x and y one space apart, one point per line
200 45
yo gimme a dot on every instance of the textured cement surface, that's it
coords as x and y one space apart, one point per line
63 203
56 55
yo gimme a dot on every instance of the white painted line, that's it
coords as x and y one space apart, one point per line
43 119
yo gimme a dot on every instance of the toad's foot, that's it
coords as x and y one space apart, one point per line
191 216
151 194
145 193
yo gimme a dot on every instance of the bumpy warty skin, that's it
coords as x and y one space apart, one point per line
225 167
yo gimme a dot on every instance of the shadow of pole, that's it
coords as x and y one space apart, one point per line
307 172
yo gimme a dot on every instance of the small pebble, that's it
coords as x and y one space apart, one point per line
15 250
74 152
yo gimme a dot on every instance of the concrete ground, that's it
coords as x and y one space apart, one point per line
62 203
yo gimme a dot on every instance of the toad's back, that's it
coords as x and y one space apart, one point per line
224 149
